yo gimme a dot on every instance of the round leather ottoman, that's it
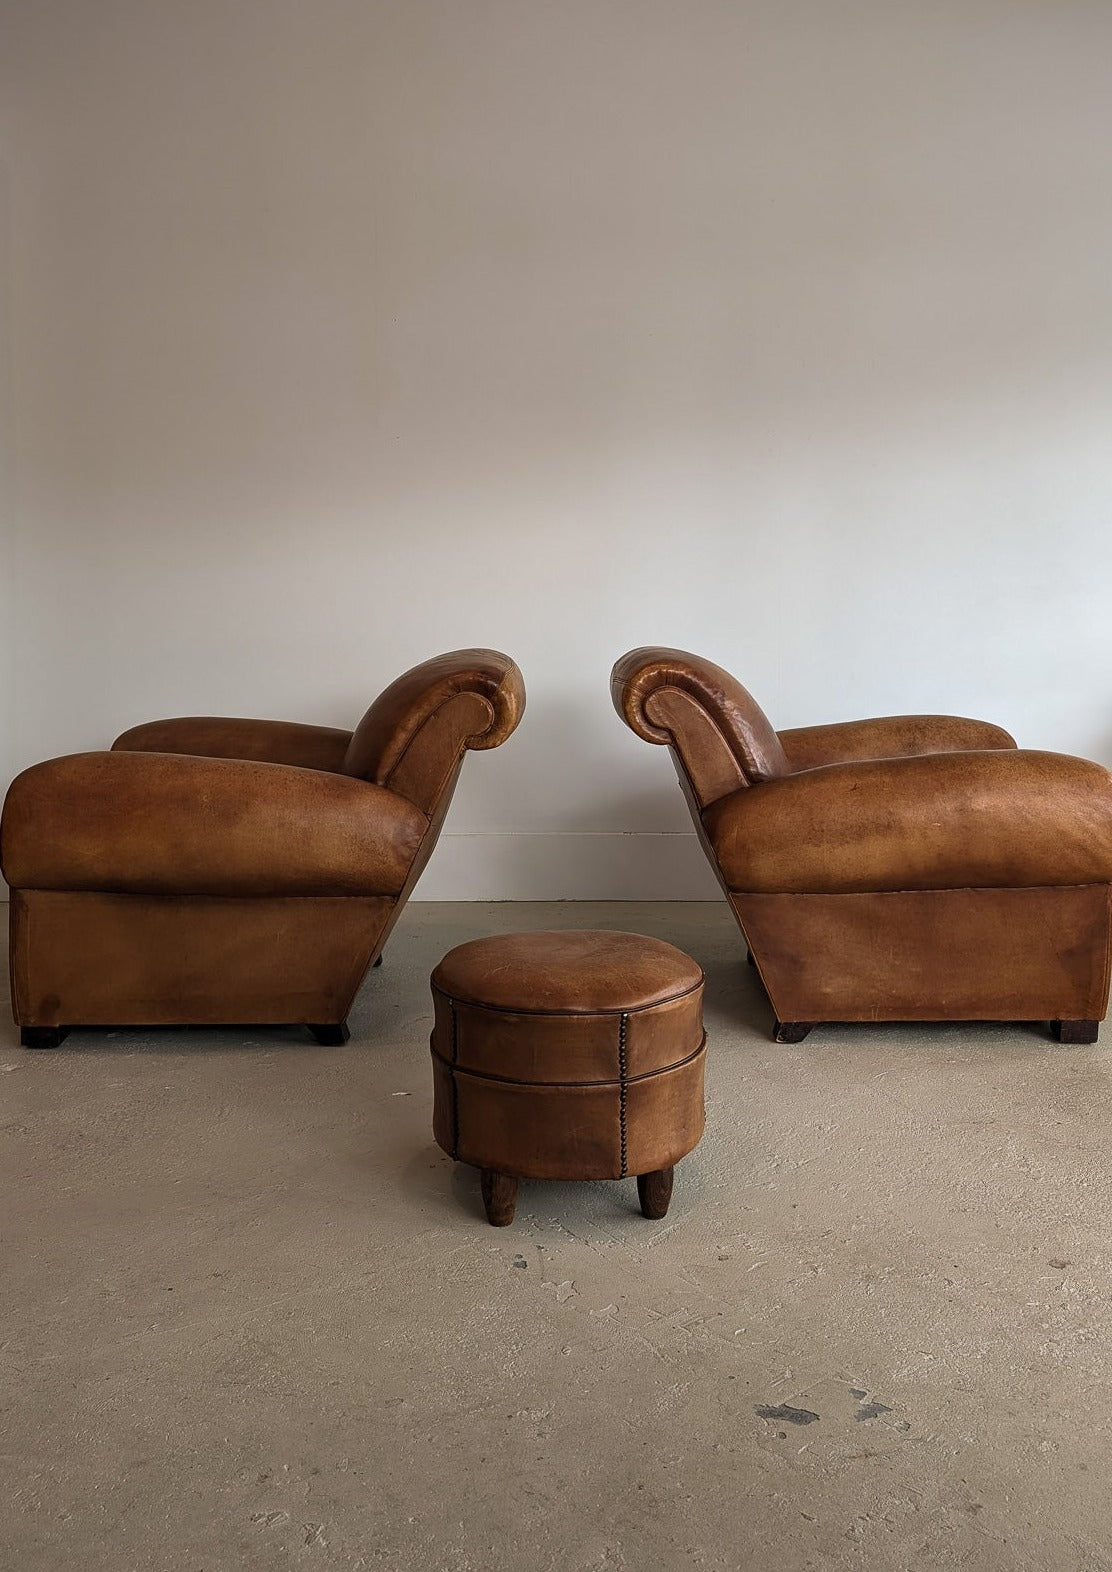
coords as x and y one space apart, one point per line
568 1056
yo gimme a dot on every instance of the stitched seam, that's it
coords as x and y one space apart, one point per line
455 1087
623 1029
584 1015
540 1086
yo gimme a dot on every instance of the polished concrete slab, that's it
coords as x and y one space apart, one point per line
255 1318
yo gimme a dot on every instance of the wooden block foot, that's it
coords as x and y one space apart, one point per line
331 1035
654 1191
791 1031
42 1036
499 1197
1075 1031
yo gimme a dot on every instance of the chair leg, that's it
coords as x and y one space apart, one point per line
791 1031
654 1191
42 1036
1075 1031
331 1035
378 960
499 1197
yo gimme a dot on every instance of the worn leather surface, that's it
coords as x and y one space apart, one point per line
723 713
203 868
569 1132
933 955
394 722
915 867
270 742
888 737
568 1055
561 970
93 959
173 824
947 819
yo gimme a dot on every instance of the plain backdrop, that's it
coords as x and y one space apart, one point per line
339 333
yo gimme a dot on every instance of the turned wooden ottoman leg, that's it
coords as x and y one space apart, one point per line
654 1191
499 1197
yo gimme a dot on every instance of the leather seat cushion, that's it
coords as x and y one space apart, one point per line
577 972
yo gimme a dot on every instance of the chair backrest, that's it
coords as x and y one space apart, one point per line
721 738
413 737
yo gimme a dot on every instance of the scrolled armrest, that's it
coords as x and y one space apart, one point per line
216 737
942 821
721 737
888 737
162 823
413 737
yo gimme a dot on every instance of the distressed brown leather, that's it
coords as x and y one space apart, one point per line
166 960
942 821
933 955
160 823
907 868
580 972
569 1132
207 870
568 1055
470 699
888 737
271 742
723 720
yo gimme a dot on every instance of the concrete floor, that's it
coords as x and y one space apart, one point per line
255 1318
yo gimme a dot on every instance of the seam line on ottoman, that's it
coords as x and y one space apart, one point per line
623 1028
455 1088
633 1009
508 1080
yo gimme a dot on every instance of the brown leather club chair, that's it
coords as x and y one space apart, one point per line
912 868
232 871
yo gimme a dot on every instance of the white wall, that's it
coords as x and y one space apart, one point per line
345 332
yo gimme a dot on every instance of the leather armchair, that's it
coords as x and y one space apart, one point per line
910 868
212 871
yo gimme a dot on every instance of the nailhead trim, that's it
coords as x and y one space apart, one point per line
455 1087
623 1028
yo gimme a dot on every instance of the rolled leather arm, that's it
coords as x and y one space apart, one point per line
944 821
888 737
273 742
165 824
414 735
719 734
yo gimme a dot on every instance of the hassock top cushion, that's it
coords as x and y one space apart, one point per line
580 973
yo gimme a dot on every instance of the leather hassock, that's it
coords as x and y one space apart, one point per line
568 1055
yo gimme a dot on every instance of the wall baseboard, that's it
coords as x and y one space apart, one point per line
595 866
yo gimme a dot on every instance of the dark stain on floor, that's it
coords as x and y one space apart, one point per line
785 1413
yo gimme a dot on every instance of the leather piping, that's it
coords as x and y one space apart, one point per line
543 1086
518 1009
